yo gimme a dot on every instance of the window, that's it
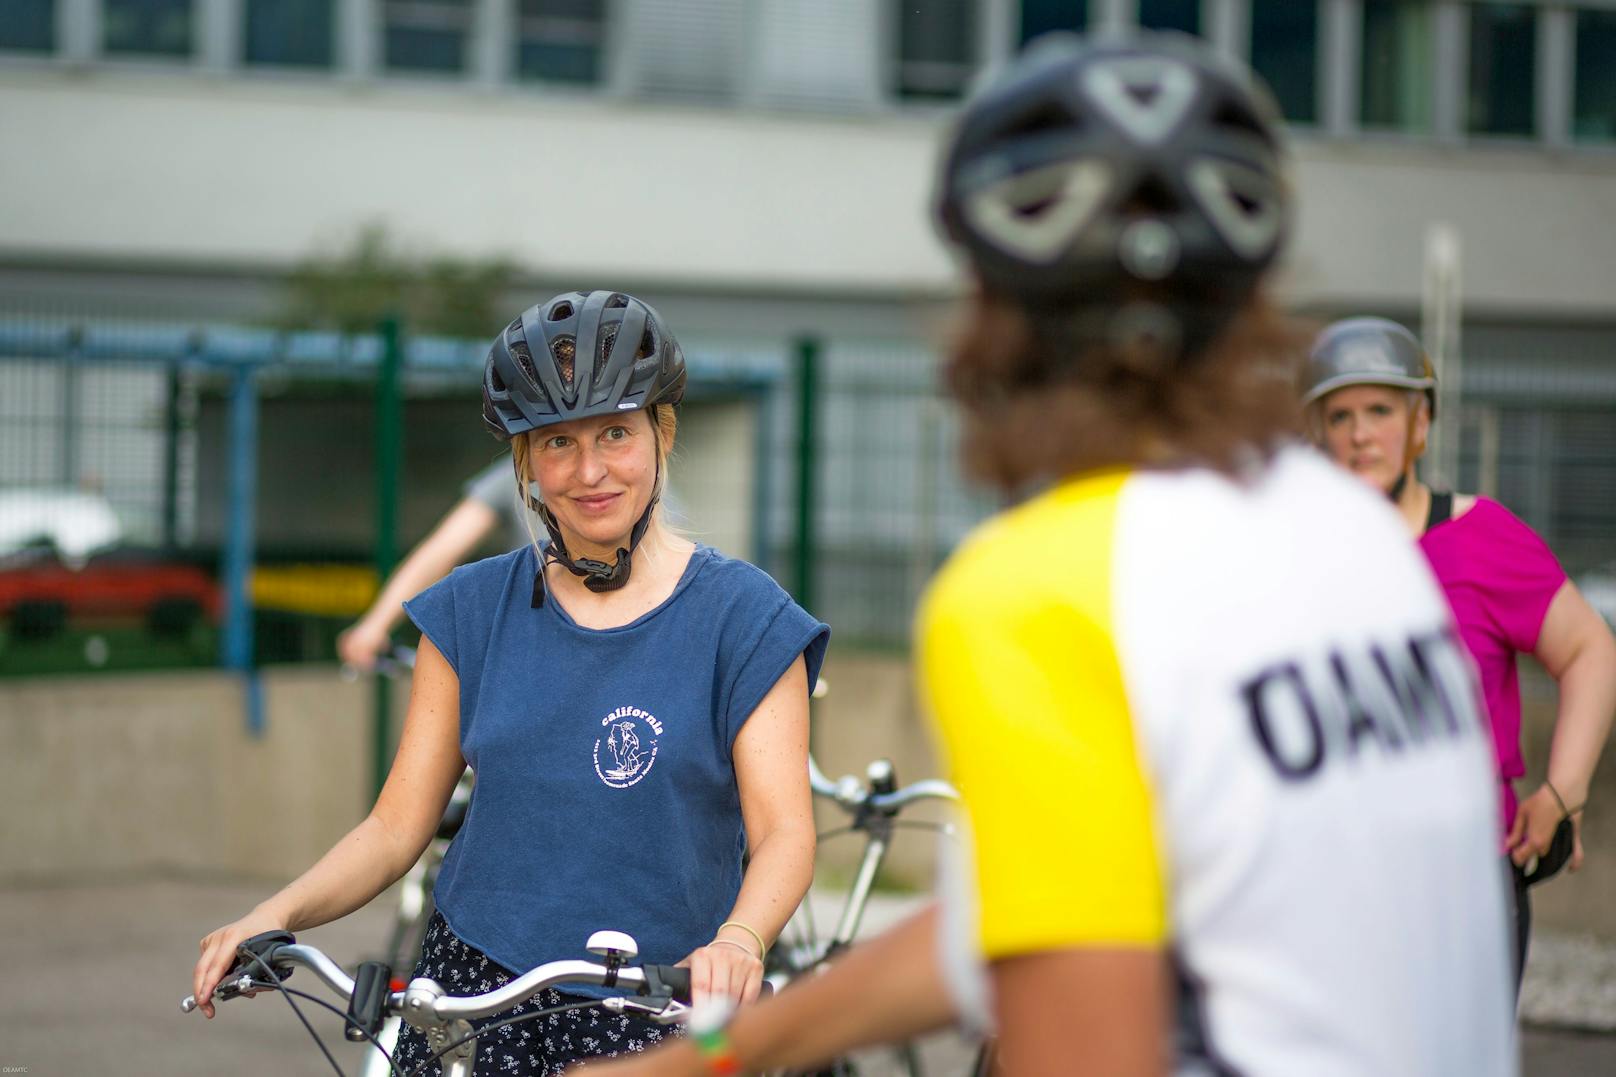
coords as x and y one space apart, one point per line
560 40
289 33
1503 69
426 36
1045 16
147 27
28 25
1593 109
1182 15
1395 72
1285 51
936 48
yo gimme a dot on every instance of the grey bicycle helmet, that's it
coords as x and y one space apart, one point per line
577 356
1367 351
1095 170
581 355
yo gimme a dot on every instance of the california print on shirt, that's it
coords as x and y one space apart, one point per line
627 747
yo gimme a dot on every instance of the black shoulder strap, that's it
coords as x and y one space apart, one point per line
1441 508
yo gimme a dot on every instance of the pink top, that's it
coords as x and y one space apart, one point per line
1499 578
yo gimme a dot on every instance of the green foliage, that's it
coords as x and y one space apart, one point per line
353 289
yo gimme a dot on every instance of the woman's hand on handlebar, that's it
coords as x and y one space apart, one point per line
219 953
724 968
361 643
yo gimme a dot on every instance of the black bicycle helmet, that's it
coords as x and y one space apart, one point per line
1367 351
577 356
1098 170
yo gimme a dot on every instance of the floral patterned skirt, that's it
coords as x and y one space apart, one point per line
538 1047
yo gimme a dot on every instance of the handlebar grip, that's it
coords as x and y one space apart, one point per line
668 980
262 945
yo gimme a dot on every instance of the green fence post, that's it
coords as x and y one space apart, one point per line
808 349
389 451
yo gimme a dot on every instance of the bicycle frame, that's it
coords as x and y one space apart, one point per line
875 806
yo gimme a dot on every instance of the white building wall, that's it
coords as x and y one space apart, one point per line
172 170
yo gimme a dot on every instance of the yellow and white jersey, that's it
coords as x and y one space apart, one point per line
1232 721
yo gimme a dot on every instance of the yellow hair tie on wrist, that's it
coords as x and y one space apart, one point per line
762 948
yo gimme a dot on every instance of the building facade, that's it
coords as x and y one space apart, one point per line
761 169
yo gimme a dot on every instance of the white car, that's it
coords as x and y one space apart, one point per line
72 523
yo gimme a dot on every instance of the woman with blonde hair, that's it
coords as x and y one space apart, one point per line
634 705
1370 394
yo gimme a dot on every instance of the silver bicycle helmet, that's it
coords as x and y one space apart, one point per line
1367 351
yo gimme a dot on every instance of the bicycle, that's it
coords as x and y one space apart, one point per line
266 961
875 806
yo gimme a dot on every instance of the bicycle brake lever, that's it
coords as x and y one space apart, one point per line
664 1011
227 989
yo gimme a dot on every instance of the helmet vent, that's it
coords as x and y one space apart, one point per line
617 302
1147 97
1240 202
1039 213
1152 196
565 352
524 361
561 311
647 345
1144 94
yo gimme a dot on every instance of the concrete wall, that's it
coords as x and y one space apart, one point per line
109 776
102 776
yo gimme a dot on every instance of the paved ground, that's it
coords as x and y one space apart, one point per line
94 975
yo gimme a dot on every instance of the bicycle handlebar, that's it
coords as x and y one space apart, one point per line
878 795
397 662
426 997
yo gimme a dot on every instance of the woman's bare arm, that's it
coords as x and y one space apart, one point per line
1576 648
771 770
382 847
466 525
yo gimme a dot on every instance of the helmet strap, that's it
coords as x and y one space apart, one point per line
598 576
1409 459
1396 492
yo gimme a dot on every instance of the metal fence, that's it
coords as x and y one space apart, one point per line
1538 432
855 517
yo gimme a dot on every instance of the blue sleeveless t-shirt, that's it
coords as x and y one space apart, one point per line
605 793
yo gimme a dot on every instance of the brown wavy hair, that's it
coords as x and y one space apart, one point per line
1042 399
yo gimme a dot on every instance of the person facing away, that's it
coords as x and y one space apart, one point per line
1370 393
534 664
1220 752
